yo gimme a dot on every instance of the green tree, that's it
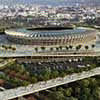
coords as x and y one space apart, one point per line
3 46
60 47
62 90
86 91
92 45
69 91
84 83
62 74
73 98
57 48
77 48
93 83
40 78
34 79
86 48
77 91
51 49
97 92
70 70
9 47
70 98
70 47
80 46
91 97
84 97
26 83
36 49
14 49
54 74
43 48
67 48
57 95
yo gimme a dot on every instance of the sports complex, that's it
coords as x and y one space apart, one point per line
53 38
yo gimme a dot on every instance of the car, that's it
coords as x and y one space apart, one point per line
81 66
88 65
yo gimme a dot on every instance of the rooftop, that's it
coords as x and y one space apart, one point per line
46 33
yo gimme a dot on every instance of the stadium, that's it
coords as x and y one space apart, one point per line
78 36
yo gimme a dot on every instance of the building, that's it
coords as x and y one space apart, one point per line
51 38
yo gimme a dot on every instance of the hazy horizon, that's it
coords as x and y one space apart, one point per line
52 3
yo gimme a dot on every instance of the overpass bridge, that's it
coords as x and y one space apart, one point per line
52 54
32 88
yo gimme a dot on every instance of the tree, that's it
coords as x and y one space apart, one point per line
60 47
2 76
84 97
69 91
14 49
57 95
67 48
80 46
70 70
3 46
43 48
54 89
51 49
57 48
46 74
77 91
62 74
62 90
86 91
91 97
84 83
7 71
18 74
16 81
54 74
36 49
86 48
73 98
40 78
96 92
77 48
9 47
70 47
93 83
26 83
34 79
92 45
22 69
70 98
6 47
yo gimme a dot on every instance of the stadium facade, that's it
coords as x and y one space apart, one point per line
65 37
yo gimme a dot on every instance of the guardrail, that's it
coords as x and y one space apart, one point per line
50 55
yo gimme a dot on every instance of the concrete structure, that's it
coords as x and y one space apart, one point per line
52 37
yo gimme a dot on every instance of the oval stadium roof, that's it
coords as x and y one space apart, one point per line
47 33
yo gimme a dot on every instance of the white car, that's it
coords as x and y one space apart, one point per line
81 66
